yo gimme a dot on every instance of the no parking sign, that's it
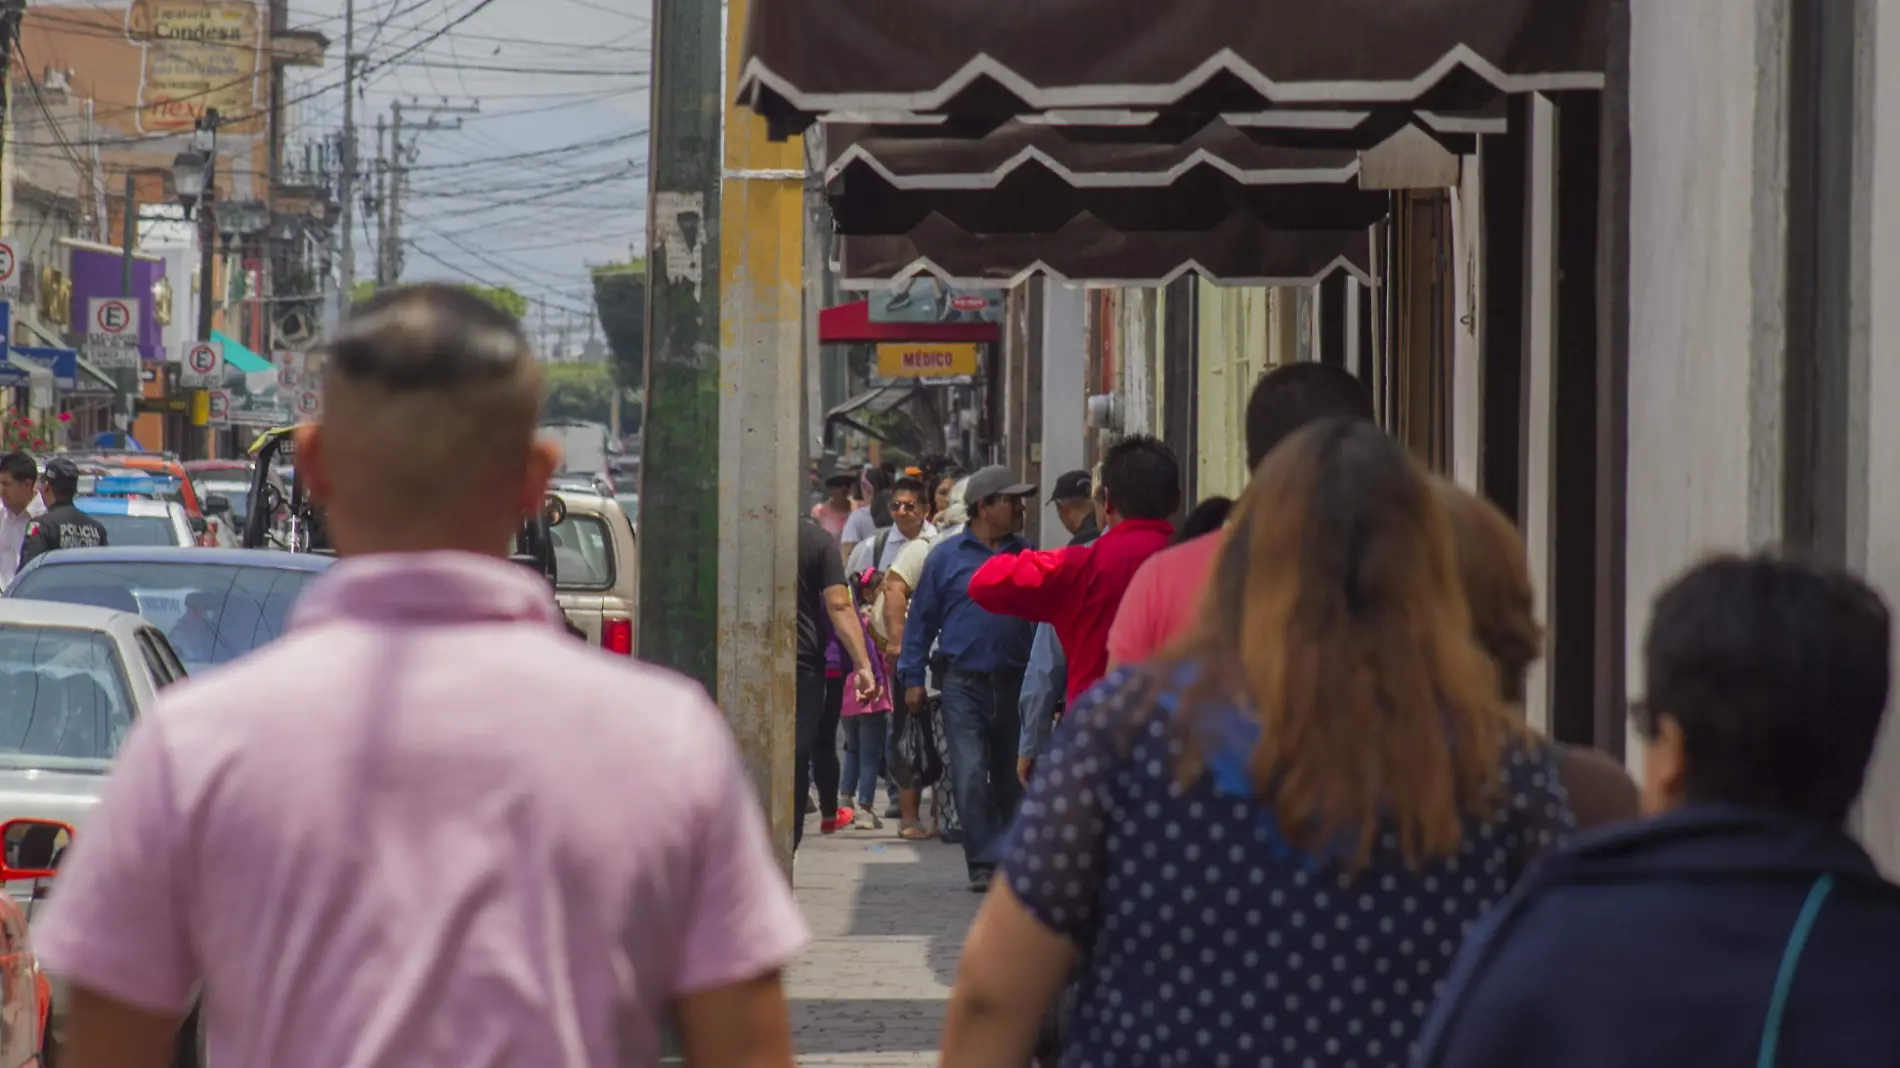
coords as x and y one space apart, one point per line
202 365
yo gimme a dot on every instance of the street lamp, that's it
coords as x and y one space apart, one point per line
195 175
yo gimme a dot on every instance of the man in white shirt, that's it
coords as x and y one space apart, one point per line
19 505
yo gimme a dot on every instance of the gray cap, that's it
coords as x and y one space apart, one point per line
991 481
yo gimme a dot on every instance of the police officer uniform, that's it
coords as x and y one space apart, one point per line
63 526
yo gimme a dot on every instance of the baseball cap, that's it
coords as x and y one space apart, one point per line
61 470
1073 485
993 480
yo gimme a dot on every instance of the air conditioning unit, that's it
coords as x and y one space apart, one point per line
55 80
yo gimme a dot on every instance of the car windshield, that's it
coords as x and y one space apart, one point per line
63 702
583 553
138 529
211 612
238 493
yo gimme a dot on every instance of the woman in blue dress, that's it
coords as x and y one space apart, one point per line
1265 847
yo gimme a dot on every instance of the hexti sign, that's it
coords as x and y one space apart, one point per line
112 331
9 269
202 365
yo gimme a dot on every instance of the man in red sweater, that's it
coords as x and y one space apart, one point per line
1078 589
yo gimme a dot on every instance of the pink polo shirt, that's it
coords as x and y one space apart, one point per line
1163 599
426 827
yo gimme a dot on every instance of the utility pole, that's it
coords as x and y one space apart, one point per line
392 214
679 475
346 218
401 155
382 203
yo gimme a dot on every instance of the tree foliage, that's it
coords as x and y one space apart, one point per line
503 297
579 391
620 299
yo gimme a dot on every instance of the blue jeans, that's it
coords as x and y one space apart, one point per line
982 724
866 737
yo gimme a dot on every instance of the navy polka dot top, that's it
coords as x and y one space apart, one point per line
1206 938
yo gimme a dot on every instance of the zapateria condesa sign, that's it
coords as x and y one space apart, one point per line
926 359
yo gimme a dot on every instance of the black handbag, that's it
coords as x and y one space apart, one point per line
917 747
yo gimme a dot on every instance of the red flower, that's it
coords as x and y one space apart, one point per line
65 417
38 444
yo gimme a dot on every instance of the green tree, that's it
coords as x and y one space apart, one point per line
503 297
582 391
620 299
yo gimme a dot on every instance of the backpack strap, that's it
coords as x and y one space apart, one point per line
1784 977
877 552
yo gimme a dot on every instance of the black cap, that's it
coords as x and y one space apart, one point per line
843 478
1074 485
63 475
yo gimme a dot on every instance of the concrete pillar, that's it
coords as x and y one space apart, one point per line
1708 210
1539 341
1467 386
1064 396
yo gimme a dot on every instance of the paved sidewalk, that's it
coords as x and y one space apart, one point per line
888 919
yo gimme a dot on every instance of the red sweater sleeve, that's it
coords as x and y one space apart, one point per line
1033 585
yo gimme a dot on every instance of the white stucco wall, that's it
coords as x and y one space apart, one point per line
1877 319
1064 396
1707 218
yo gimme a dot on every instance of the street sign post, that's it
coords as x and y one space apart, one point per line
202 366
219 412
9 269
112 331
289 371
309 404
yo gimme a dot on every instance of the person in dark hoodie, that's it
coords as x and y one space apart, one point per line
1740 924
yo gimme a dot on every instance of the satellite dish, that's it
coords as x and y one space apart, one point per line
295 329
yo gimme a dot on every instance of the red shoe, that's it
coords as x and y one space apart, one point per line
837 823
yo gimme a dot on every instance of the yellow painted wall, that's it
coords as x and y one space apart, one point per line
1235 327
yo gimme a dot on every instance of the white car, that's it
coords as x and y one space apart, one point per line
133 521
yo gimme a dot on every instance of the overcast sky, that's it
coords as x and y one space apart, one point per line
548 178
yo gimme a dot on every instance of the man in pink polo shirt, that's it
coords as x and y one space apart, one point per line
427 827
1164 597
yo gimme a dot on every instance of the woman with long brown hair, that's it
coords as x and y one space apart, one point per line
1266 845
1495 571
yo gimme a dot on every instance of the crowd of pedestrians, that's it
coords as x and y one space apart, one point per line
1261 795
1275 800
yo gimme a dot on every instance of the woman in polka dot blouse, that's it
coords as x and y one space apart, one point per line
1265 847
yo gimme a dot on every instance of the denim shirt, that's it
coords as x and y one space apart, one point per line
941 610
1043 685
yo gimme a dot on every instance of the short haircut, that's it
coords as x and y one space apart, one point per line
1777 674
912 486
21 467
1293 396
1141 478
431 400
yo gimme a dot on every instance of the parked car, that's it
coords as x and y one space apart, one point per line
73 679
141 521
30 851
213 605
595 567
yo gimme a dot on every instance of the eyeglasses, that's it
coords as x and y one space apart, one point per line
906 506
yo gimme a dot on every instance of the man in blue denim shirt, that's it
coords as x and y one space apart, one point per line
986 655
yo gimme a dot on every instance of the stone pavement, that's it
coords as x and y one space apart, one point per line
888 919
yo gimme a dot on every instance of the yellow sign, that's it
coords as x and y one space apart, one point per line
199 54
924 359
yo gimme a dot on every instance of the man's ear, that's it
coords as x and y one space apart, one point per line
312 462
543 458
1665 767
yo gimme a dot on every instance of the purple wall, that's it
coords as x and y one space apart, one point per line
101 274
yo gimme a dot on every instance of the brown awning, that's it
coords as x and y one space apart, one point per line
1239 251
1035 177
806 58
